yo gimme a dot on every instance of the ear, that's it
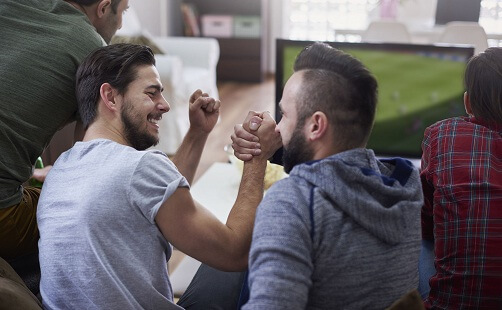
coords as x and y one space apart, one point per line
102 7
108 96
317 126
467 104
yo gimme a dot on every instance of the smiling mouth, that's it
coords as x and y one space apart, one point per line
154 119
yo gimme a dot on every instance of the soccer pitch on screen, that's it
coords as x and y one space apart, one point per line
415 90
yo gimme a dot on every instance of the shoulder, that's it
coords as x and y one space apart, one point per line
70 34
445 125
284 210
452 125
154 155
82 36
289 188
289 195
443 130
67 21
76 31
122 157
156 168
156 159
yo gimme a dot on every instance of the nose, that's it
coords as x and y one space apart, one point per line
164 105
278 127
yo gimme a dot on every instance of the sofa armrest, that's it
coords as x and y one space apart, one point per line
173 124
170 70
193 51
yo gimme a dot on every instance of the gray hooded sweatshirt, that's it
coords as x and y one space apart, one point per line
340 233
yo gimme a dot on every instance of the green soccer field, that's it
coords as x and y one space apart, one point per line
415 91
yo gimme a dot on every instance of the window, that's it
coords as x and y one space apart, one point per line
490 16
317 19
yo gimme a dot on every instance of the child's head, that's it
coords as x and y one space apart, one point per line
483 82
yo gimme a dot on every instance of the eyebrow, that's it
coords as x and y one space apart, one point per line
155 86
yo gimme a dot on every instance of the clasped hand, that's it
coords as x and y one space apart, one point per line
256 136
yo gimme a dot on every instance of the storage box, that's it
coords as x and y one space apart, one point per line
220 26
247 26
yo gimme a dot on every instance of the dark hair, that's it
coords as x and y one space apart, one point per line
115 3
340 86
483 82
114 64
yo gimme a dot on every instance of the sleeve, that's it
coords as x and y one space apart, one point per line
280 262
154 180
427 186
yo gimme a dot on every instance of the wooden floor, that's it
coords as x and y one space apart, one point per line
236 100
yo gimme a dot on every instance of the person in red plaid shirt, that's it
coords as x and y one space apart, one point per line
462 183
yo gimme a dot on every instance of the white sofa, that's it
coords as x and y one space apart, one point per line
188 63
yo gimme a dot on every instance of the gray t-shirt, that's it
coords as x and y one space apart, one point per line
99 245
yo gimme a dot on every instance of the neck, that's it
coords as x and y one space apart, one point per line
100 131
327 147
81 8
78 6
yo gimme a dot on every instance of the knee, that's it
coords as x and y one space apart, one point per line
14 295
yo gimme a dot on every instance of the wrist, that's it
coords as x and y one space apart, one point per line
257 162
196 133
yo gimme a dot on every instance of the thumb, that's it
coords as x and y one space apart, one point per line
255 123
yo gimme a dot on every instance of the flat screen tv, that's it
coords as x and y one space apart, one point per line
418 85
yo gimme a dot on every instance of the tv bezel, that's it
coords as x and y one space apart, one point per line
281 44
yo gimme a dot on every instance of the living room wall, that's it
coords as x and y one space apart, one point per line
159 17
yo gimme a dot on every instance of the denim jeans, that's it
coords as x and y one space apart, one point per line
426 267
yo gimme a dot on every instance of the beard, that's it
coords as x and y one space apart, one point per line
137 138
297 151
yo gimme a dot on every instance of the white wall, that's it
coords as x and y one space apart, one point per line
275 30
159 17
417 13
150 14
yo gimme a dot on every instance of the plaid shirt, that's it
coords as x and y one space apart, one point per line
462 184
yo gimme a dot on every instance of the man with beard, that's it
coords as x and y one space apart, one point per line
343 230
109 210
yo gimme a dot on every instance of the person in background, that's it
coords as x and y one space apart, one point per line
462 184
41 45
109 210
343 230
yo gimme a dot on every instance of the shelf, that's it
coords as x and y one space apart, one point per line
241 59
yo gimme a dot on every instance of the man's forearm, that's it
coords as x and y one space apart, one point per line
241 217
188 155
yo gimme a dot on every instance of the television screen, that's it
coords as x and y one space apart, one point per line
418 85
